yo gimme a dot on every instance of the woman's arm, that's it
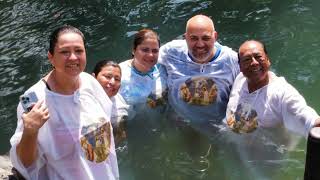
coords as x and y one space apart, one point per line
32 122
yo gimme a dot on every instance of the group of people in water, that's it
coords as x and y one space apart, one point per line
72 131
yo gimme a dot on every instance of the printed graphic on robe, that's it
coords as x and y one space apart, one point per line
244 120
119 129
95 141
200 91
155 100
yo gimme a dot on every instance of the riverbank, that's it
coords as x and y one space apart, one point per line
5 167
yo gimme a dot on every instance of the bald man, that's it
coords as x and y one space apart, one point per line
200 73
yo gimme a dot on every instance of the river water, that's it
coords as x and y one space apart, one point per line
289 28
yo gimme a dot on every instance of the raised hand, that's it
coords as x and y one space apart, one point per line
35 119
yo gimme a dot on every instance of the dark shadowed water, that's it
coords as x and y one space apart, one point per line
289 28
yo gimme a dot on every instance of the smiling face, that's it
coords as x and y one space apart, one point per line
146 54
254 63
110 79
69 55
201 36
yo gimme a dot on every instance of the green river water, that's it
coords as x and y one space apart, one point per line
290 29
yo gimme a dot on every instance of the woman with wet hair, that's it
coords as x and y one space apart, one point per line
108 74
67 133
143 80
143 86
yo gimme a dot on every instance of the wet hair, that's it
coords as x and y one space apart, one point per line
260 42
53 39
104 63
142 35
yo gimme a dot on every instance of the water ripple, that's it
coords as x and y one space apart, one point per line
290 30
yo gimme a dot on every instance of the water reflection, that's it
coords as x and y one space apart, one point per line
289 28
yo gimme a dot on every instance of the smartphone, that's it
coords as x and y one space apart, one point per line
28 101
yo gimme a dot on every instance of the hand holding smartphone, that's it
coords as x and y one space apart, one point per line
28 101
33 120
